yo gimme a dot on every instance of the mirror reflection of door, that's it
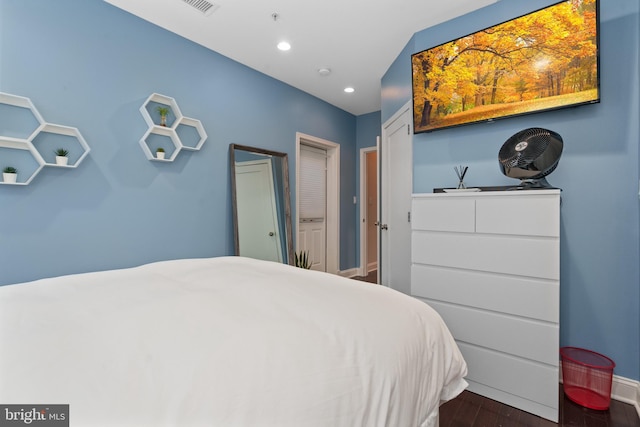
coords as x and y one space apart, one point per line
258 234
312 231
261 205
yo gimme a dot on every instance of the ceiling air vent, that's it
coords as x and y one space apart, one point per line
203 6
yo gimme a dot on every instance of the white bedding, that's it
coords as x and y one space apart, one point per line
225 342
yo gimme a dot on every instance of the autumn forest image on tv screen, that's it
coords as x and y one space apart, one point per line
544 60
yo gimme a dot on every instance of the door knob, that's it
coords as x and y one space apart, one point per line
383 227
271 233
376 223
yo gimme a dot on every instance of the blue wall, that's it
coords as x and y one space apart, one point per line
598 172
90 65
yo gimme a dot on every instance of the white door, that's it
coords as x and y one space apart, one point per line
312 231
257 234
396 186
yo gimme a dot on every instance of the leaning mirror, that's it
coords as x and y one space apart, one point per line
261 207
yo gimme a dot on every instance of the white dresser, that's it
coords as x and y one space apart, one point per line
489 263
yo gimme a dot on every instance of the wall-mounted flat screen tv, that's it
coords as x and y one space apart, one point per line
541 61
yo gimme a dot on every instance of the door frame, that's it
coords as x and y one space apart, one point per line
333 196
364 220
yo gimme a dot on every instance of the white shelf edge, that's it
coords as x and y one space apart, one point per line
14 143
22 102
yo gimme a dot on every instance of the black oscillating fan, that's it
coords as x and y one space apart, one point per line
530 155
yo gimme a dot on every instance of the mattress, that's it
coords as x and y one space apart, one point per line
226 342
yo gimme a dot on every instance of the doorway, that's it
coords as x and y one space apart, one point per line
312 231
308 232
368 211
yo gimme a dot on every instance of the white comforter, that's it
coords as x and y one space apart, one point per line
225 342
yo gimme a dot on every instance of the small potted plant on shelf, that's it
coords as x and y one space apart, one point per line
164 112
61 157
10 174
160 153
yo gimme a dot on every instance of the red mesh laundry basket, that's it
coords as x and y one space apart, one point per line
586 377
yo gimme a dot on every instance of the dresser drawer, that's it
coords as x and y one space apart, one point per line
519 377
443 214
528 297
516 255
518 215
512 335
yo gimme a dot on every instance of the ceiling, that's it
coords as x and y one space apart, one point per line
355 39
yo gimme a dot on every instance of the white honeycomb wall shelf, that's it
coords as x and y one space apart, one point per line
38 142
167 135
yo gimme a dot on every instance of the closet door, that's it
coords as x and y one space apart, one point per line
312 228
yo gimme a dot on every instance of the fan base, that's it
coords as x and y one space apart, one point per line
533 184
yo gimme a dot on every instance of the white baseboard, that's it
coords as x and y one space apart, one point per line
627 391
352 272
364 271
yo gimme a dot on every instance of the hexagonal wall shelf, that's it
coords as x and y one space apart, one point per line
20 106
159 137
73 140
191 125
20 149
170 127
33 143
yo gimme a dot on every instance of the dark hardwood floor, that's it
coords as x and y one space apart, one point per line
472 410
372 277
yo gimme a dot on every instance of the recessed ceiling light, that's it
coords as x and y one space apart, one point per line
349 89
324 71
284 46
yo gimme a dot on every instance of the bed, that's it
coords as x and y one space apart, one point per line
225 342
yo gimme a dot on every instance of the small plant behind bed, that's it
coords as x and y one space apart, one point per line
302 260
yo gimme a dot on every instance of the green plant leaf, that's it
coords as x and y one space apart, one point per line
302 259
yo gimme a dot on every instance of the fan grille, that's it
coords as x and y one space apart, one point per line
534 142
530 154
